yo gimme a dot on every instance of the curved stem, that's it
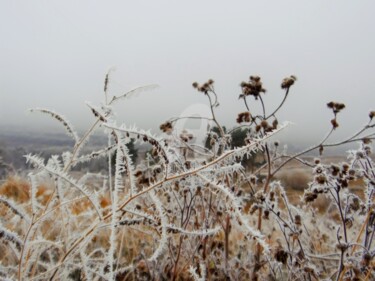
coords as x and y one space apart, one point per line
174 119
78 145
244 99
23 250
280 105
214 117
263 107
304 152
222 133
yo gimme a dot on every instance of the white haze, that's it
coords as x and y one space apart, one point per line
54 54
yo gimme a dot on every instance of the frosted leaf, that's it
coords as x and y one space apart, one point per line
163 219
38 162
10 236
14 208
133 92
62 119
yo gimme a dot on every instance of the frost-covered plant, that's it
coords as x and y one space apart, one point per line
179 217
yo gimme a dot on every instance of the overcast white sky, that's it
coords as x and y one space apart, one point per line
55 54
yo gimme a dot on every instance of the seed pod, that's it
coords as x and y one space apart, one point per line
298 220
334 123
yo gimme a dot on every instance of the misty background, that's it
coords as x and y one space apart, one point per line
55 54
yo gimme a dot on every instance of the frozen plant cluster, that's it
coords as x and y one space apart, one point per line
191 211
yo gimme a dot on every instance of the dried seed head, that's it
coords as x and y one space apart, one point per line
318 169
359 155
253 88
266 214
253 179
366 140
321 179
264 124
274 124
335 170
281 256
340 106
309 196
288 82
349 222
334 123
345 167
344 183
243 117
260 196
368 150
166 127
366 259
205 88
186 136
336 106
298 220
371 114
352 172
331 104
272 196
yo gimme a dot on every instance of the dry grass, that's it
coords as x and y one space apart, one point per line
16 189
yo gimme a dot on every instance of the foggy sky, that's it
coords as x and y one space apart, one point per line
54 54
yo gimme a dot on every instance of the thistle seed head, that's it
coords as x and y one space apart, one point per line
288 82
